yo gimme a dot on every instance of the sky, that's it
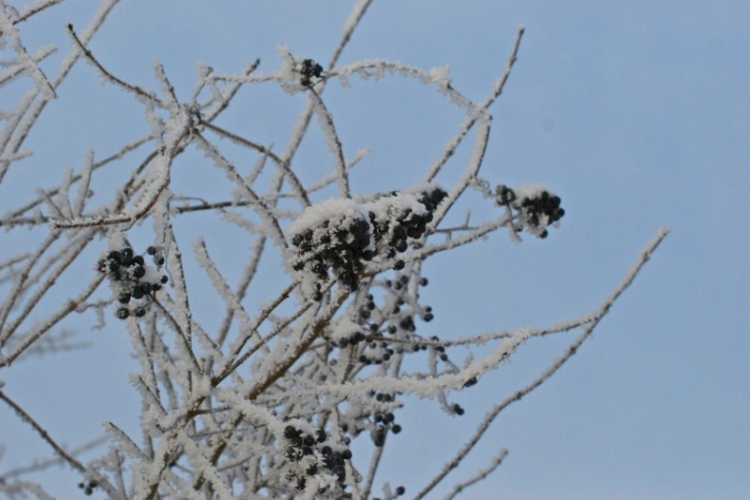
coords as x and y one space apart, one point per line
635 113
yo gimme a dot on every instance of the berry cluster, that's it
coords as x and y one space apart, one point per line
340 244
132 280
396 220
376 353
404 321
341 235
537 207
374 321
384 421
321 455
334 461
431 198
309 70
378 420
440 349
88 488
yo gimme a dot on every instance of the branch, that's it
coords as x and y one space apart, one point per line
139 92
482 474
46 437
35 9
478 112
283 165
334 143
556 365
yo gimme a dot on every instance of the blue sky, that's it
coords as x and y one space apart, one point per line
636 113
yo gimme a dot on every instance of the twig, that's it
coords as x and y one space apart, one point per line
334 143
139 92
33 10
260 206
377 454
34 102
477 113
482 474
44 434
75 247
300 128
51 462
283 165
358 12
556 365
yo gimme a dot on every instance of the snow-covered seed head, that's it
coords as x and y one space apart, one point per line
537 208
130 279
309 69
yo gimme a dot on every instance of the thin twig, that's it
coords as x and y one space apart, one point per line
40 465
44 434
358 12
482 474
477 113
33 10
329 129
260 206
284 165
139 92
551 370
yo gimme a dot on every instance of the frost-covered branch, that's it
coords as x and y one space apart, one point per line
69 459
481 475
139 92
477 111
552 369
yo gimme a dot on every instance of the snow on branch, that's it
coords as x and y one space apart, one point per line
25 60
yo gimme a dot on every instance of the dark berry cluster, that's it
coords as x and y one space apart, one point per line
440 350
345 243
308 70
396 225
365 312
404 321
322 456
384 420
369 352
334 461
355 339
377 418
541 206
376 353
431 198
132 280
300 443
340 245
88 488
504 195
538 210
